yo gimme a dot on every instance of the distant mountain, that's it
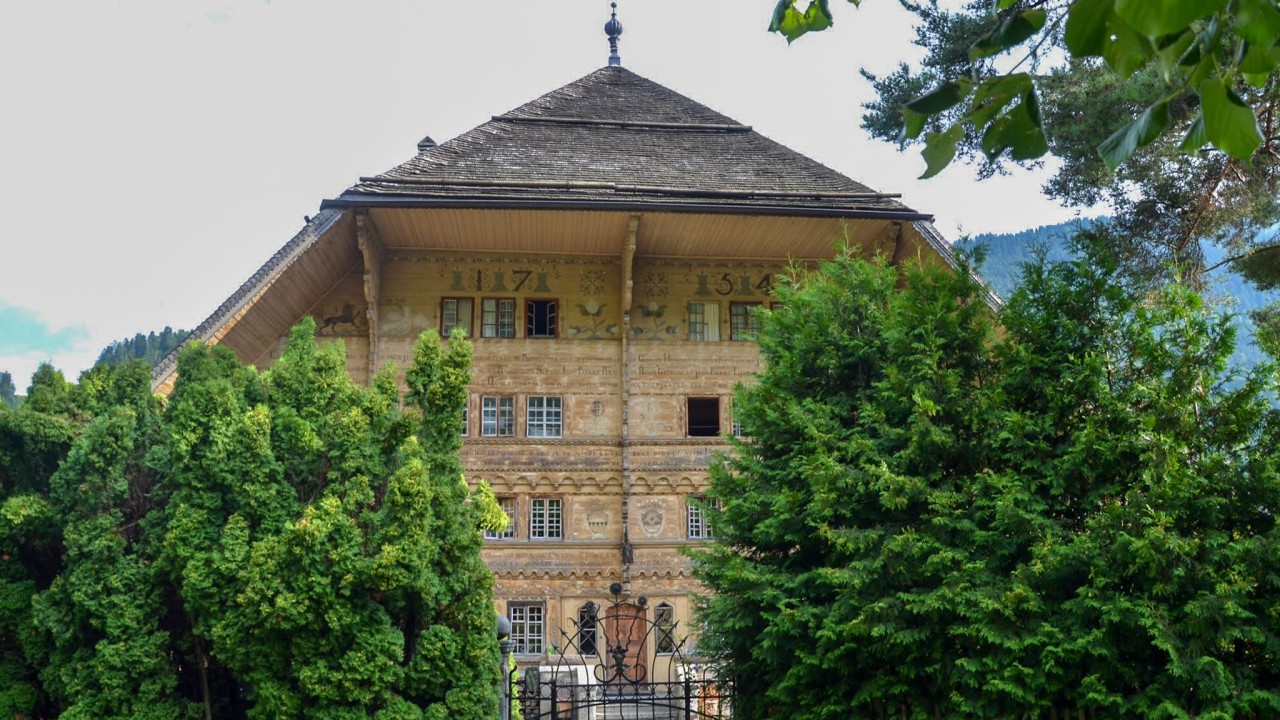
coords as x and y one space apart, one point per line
1008 252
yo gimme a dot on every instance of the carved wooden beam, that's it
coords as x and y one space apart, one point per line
628 260
901 246
369 240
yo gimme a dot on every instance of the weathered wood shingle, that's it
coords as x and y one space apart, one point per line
614 139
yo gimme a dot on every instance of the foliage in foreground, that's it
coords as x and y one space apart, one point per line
278 545
1185 92
937 520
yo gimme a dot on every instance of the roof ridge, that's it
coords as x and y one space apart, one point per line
627 187
734 127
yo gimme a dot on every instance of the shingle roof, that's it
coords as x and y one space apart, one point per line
616 140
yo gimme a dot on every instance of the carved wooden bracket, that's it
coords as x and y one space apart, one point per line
369 240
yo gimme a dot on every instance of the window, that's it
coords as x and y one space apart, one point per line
465 419
664 628
704 321
696 524
704 417
455 313
743 322
508 505
527 623
497 318
735 426
544 519
543 418
540 319
587 630
497 416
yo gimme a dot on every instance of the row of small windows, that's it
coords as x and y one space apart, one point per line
544 417
541 318
498 317
529 627
545 520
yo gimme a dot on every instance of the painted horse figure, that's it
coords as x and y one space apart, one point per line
347 317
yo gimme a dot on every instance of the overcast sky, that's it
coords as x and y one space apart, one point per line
154 153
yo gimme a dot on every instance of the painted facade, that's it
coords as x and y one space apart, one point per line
605 247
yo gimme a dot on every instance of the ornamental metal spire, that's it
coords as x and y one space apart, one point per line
613 29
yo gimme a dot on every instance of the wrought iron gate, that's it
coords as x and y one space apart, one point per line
602 669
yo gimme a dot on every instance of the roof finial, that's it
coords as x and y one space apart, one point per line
613 29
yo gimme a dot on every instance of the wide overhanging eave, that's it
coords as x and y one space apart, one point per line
352 201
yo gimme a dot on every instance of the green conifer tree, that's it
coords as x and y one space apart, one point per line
326 557
8 393
932 519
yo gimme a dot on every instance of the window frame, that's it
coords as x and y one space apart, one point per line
468 327
697 526
541 529
689 416
706 329
589 612
497 416
497 325
524 641
544 412
664 632
553 319
511 508
744 324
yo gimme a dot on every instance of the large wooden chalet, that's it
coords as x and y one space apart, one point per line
604 246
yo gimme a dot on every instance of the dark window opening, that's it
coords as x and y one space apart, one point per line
587 630
704 417
540 319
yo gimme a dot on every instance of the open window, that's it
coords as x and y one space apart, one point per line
704 417
540 319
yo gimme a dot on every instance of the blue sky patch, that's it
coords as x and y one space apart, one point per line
22 331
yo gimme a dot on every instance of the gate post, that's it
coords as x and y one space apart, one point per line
504 645
555 699
688 698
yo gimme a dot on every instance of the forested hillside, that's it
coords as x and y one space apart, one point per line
1006 254
150 347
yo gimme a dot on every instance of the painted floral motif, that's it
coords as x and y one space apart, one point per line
653 325
595 326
